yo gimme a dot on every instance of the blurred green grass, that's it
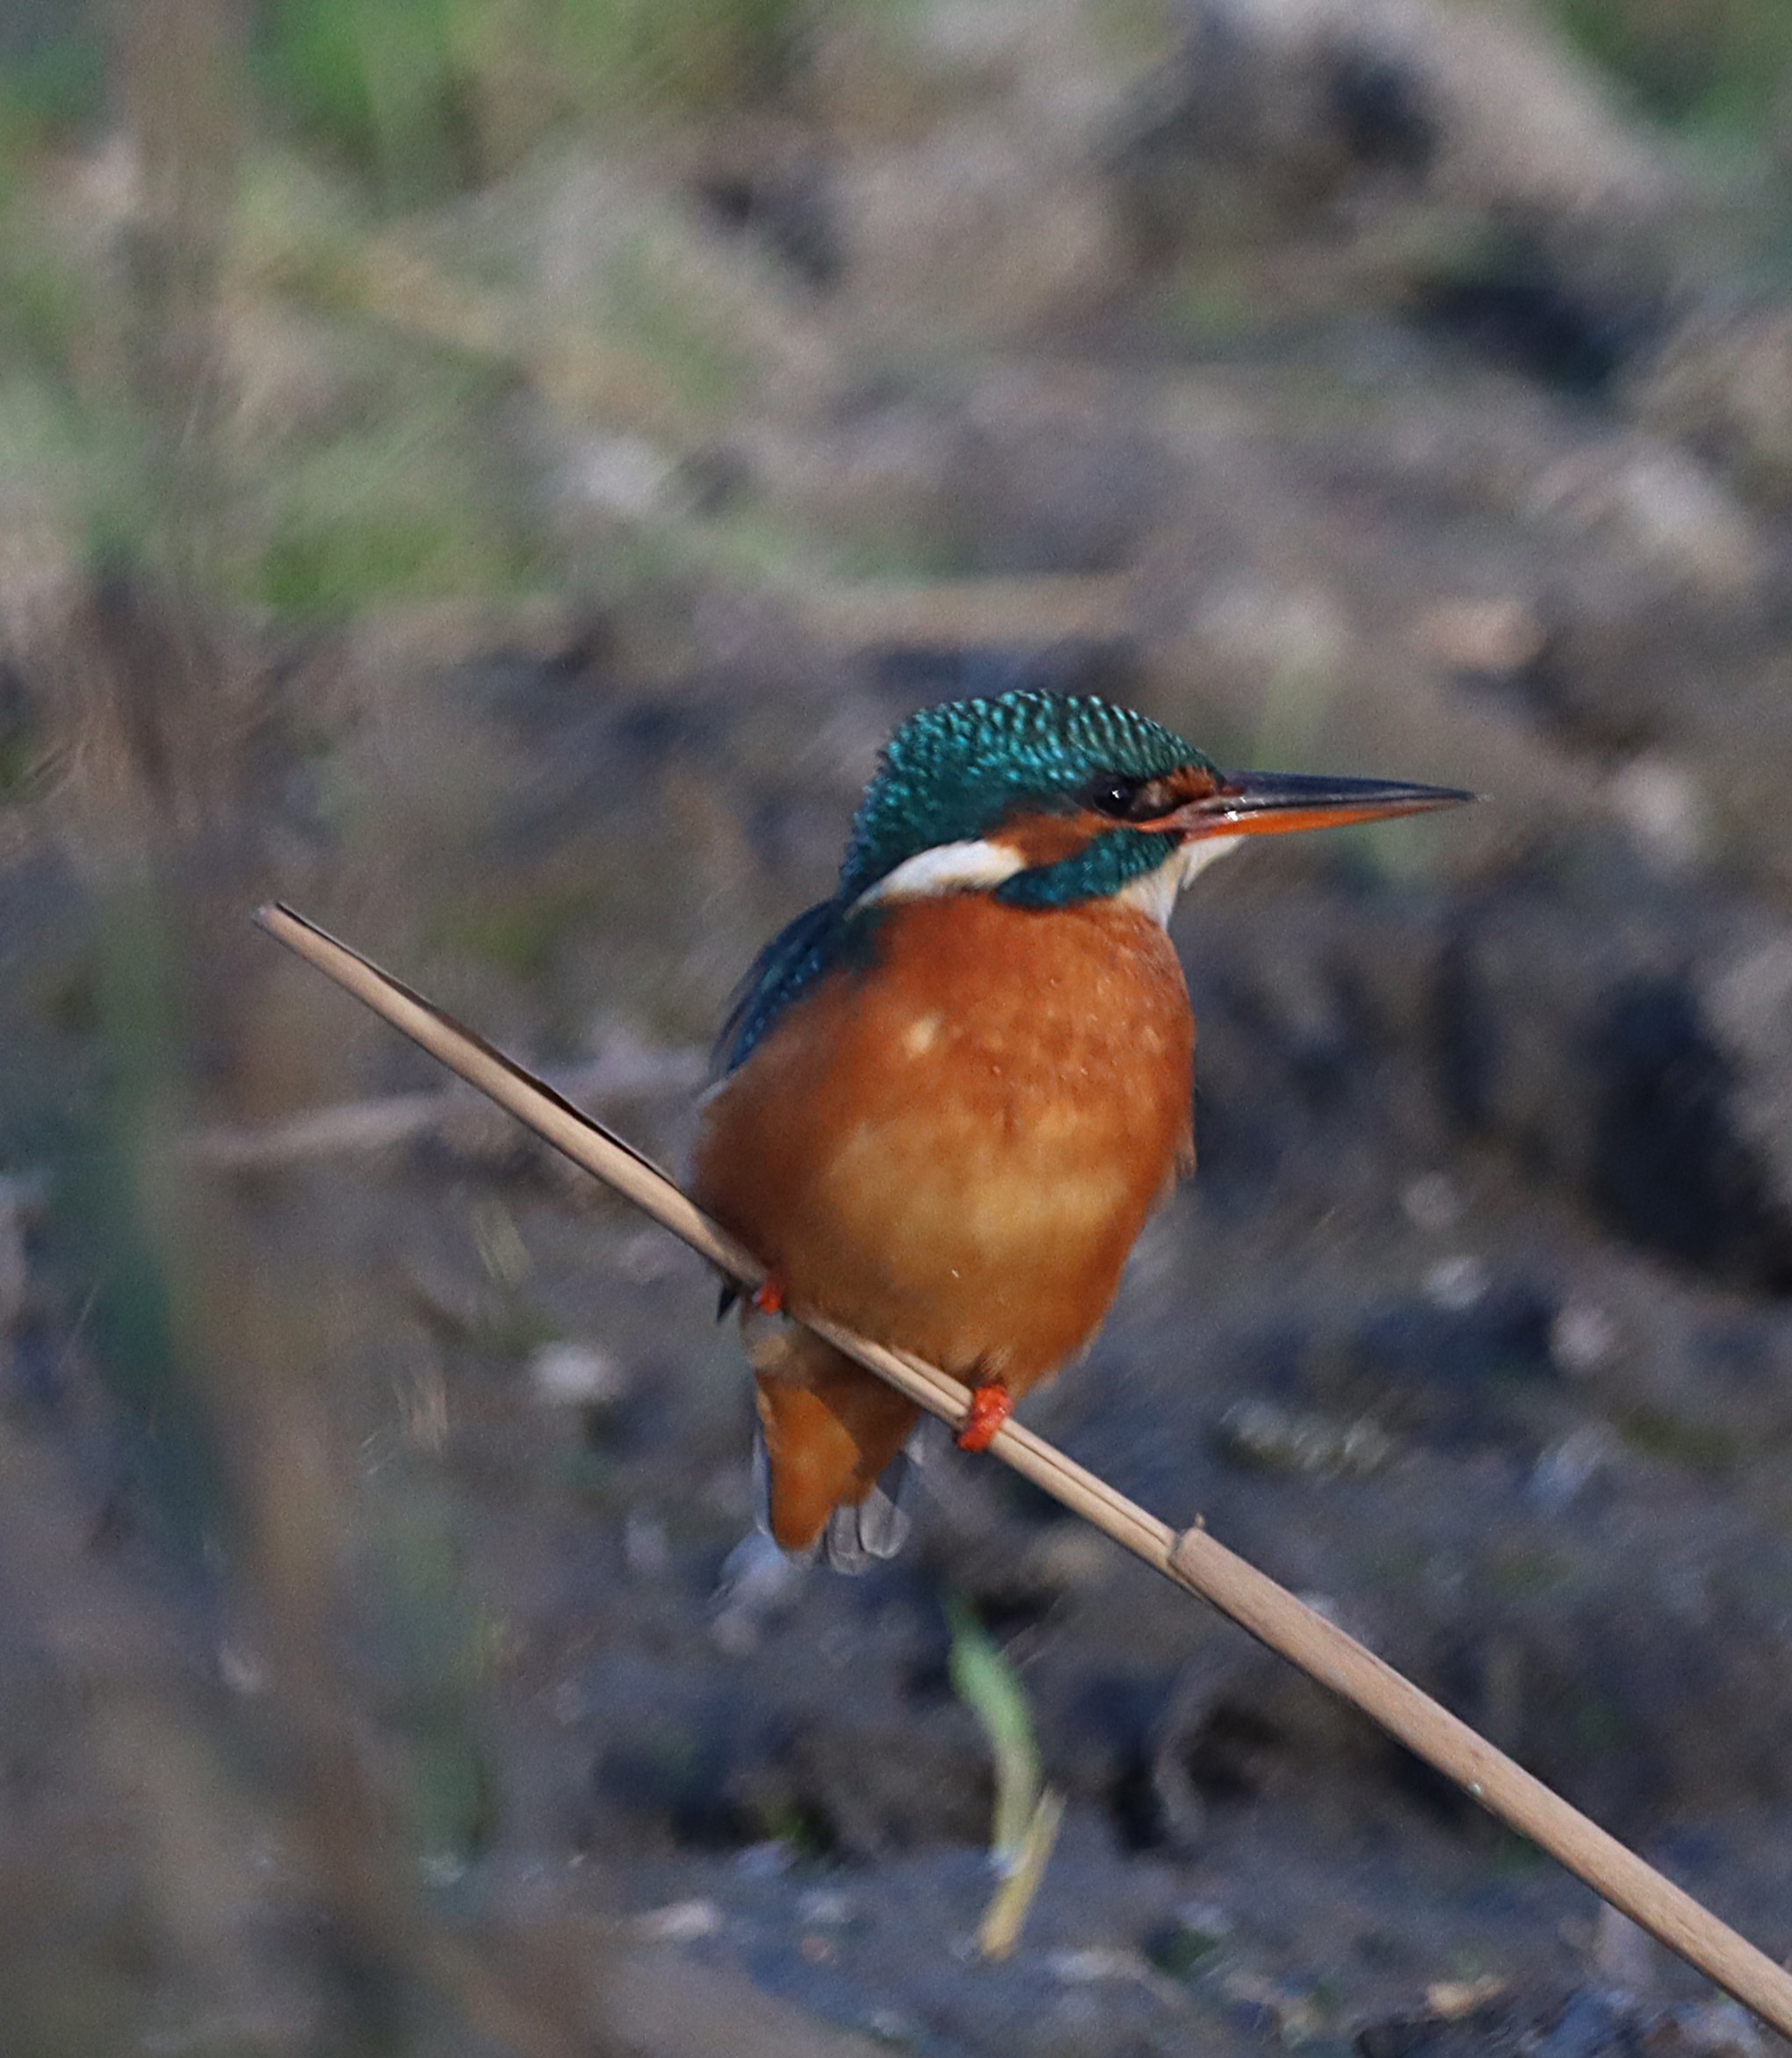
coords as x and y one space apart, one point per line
369 440
1715 68
421 99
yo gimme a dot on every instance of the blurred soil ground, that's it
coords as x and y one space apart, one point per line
516 566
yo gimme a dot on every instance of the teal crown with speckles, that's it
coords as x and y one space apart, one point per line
952 774
955 772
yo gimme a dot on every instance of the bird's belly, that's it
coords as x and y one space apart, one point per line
965 1234
954 1151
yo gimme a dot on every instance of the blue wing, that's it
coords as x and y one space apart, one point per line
792 963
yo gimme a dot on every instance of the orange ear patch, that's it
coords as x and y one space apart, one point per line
1047 839
1041 840
1176 791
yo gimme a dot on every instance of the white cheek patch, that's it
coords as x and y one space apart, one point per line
1155 894
948 869
954 867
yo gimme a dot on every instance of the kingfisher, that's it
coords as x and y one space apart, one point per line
947 1097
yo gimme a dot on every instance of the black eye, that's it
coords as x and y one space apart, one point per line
1128 800
1111 796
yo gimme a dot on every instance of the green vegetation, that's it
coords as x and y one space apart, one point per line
519 933
51 80
393 501
382 86
420 99
991 1688
1700 1447
1719 66
1028 1813
379 364
436 1650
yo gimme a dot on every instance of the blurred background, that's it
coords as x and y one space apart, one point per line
492 473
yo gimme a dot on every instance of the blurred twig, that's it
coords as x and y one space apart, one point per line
357 1127
1193 1560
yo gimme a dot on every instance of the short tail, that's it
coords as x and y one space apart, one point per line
858 1535
831 1462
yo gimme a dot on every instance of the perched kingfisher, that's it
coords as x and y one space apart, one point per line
951 1095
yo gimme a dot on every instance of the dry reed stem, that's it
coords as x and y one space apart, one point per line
1193 1560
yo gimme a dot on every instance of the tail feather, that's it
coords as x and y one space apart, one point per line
832 1437
859 1534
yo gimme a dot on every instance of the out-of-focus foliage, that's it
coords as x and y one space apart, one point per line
990 1687
379 393
423 97
1714 66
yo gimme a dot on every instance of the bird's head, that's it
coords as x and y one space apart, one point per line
1044 800
1048 800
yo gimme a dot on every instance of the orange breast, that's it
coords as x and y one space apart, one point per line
953 1149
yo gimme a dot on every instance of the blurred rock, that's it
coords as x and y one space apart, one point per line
681 1922
1587 2022
1749 1004
1260 1435
1711 2029
1489 2030
1538 305
787 201
757 1586
1049 475
1592 2025
577 1375
1493 636
1721 382
869 1789
1327 100
1662 804
1667 506
978 235
1645 1069
1623 1955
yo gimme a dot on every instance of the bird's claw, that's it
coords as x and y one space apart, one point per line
990 1407
767 1296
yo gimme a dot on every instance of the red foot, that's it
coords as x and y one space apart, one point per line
990 1407
768 1296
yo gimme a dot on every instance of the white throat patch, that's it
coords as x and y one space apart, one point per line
1155 894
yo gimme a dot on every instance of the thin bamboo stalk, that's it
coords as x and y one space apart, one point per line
1193 1560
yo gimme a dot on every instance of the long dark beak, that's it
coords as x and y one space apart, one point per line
1271 804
